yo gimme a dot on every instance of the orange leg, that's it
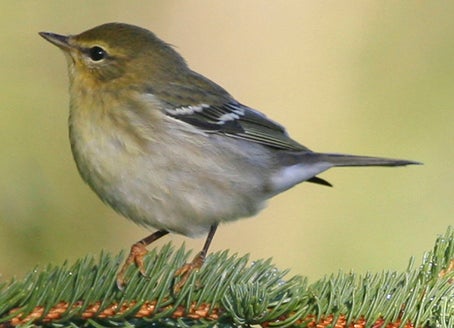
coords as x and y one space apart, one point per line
185 271
136 255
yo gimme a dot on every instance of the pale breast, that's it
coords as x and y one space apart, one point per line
180 179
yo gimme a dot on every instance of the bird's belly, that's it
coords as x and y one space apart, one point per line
175 201
180 189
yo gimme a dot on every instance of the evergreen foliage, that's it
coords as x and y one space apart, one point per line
230 291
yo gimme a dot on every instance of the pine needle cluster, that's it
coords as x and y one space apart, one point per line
231 291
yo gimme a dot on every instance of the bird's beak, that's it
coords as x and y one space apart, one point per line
61 41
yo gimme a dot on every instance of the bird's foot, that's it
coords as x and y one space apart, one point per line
136 255
185 271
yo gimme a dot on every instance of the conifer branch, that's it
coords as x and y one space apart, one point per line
229 291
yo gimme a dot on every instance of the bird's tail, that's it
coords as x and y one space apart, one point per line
354 160
305 166
338 160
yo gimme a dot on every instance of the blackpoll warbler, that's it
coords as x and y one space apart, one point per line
168 148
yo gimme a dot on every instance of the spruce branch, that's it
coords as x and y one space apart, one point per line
230 291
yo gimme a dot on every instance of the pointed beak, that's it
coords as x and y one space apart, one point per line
61 41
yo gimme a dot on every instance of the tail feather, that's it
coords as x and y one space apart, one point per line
353 160
319 181
305 166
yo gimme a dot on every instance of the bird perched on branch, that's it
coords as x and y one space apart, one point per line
167 148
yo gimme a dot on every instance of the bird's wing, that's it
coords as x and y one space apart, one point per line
236 120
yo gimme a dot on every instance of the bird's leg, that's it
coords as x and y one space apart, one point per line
136 255
185 271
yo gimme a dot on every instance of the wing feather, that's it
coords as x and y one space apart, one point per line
238 121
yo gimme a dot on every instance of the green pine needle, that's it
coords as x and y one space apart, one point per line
230 291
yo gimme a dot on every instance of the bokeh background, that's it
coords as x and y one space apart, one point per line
368 77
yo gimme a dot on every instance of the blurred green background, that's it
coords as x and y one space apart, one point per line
374 78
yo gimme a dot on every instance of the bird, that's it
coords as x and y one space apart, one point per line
170 149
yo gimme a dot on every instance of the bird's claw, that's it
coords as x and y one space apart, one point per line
185 271
136 256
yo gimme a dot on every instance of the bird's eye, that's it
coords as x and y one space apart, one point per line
97 53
